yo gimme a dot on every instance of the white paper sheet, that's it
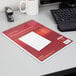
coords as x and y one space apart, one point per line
35 41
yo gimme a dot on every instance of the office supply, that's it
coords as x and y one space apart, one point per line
65 18
67 72
9 13
37 40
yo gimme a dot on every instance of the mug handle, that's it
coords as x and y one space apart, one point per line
21 2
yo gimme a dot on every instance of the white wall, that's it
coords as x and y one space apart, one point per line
11 3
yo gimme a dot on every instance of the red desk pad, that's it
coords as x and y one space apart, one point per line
36 39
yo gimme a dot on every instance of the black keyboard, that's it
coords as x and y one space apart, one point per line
67 72
65 18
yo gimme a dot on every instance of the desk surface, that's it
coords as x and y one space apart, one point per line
15 62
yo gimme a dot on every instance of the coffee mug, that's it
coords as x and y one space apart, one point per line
31 7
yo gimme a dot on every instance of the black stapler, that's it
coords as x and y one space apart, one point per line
9 14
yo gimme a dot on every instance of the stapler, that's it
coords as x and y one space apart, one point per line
9 14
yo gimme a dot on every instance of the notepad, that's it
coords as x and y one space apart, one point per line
37 40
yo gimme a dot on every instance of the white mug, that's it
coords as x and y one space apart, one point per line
31 7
